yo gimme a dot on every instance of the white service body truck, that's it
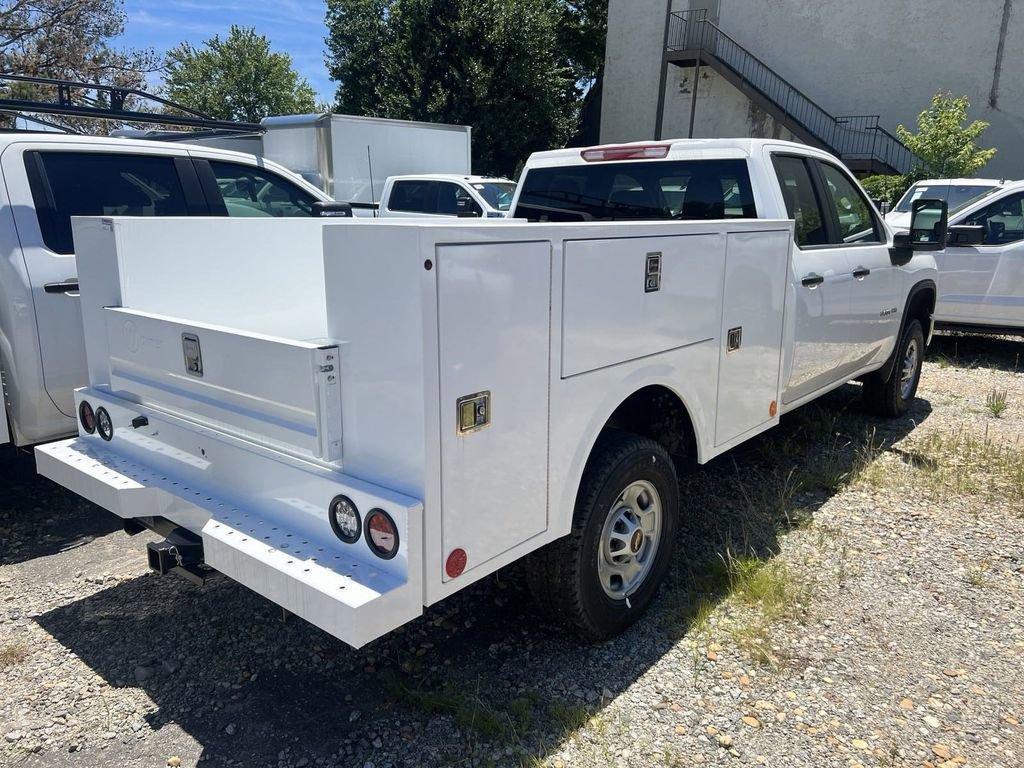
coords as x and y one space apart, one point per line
49 177
362 429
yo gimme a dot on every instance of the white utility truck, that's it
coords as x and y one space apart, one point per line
45 179
361 429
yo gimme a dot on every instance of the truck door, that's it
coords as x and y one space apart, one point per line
48 186
874 302
985 283
822 281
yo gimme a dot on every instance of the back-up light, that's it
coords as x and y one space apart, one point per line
626 152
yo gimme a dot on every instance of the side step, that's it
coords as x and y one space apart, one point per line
341 588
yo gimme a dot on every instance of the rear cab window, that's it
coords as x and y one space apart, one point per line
70 183
413 197
641 190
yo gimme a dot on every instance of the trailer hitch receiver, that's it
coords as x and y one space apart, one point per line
181 553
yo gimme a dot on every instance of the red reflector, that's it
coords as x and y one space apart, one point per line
626 152
456 563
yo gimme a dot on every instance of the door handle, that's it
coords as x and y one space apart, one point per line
861 272
812 280
64 286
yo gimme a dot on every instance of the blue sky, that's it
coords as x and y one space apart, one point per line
295 27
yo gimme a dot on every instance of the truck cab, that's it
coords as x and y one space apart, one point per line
47 179
446 195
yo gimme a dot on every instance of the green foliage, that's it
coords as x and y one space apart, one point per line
944 146
515 70
237 78
69 40
888 188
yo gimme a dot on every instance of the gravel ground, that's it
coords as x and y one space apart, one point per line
847 592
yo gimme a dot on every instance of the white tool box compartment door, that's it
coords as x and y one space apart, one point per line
750 356
494 322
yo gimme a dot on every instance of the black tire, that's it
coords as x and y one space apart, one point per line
564 576
889 397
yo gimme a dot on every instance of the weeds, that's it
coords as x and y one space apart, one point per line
12 653
996 402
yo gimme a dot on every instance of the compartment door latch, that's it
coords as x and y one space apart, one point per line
474 412
734 339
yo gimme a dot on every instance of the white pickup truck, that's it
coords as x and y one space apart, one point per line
446 194
45 179
367 426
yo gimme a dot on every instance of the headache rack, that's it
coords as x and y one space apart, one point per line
108 102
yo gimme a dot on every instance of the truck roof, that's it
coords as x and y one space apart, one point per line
679 149
180 148
453 177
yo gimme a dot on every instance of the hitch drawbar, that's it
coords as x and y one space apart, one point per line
181 553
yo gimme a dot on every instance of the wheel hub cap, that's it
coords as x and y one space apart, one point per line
629 540
908 370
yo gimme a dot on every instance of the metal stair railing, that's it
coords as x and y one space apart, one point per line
855 137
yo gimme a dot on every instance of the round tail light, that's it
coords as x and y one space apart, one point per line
381 534
104 424
87 417
345 520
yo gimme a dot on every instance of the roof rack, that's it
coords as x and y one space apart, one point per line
109 104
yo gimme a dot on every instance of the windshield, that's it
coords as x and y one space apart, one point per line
956 195
498 194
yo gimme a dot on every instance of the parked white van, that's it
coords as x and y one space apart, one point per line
49 177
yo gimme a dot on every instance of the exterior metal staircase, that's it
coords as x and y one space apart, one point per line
866 147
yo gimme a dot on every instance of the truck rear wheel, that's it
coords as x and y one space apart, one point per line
600 578
891 397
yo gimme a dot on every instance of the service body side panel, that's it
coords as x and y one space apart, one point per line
494 325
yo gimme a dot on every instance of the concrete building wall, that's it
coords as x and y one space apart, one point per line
884 57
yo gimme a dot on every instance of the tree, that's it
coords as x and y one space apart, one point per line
68 40
237 78
513 69
945 148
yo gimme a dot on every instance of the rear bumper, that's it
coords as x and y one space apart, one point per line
265 526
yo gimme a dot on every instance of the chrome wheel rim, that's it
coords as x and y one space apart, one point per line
629 540
908 371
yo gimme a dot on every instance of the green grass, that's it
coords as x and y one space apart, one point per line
996 402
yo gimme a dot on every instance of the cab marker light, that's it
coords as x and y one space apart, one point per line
626 152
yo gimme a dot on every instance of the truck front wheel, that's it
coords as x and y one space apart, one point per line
600 578
892 396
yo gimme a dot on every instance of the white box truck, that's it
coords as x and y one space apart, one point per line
365 427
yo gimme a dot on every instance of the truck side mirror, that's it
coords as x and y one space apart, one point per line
928 225
966 234
332 208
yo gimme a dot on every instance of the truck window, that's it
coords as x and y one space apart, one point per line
851 208
453 199
414 197
1003 220
253 192
801 197
679 189
66 184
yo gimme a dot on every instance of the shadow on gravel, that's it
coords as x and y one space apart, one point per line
38 517
480 673
960 350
